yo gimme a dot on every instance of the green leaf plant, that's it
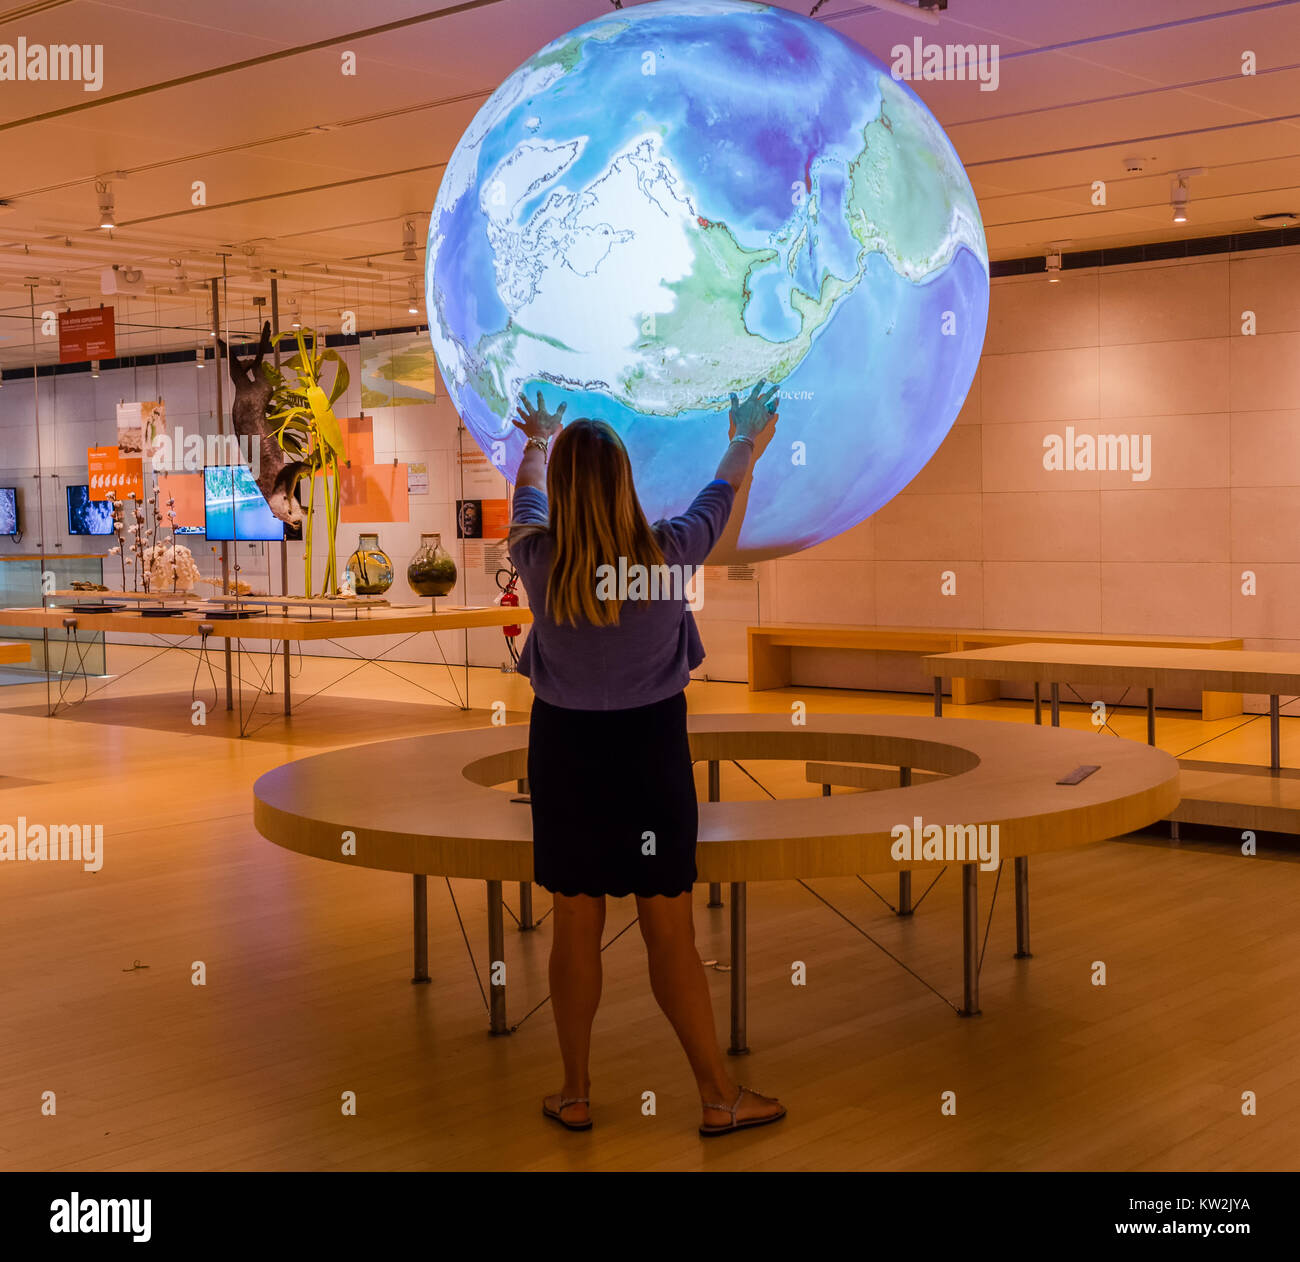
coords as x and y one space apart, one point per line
302 416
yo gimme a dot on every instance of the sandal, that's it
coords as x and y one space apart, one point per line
555 1114
740 1124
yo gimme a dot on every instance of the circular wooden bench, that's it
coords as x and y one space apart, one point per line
428 805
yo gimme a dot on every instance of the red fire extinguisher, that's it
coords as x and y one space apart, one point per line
510 600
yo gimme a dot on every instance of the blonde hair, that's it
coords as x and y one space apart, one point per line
595 519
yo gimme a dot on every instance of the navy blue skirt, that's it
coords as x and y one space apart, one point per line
613 800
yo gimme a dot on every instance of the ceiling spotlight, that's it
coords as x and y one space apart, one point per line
408 242
107 213
200 356
94 368
293 311
1179 201
412 298
1053 266
1180 195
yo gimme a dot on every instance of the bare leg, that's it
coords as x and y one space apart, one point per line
575 992
682 991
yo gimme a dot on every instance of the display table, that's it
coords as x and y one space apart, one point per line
1222 794
196 627
440 814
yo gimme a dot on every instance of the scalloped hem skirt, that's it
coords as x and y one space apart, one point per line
613 800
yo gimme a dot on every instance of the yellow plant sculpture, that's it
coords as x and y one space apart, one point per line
302 415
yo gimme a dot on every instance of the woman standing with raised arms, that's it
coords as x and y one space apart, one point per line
609 763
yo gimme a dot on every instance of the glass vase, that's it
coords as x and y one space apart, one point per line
371 567
432 572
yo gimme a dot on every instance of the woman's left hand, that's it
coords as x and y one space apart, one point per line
538 422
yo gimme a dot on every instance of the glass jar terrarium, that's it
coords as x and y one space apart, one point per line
370 567
432 572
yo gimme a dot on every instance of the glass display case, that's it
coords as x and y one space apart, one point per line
21 587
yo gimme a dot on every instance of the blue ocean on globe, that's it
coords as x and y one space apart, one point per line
680 199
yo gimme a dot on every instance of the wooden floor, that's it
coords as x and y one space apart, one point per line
308 997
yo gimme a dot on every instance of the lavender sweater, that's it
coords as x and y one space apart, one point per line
649 656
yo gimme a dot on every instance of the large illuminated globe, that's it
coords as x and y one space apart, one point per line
681 198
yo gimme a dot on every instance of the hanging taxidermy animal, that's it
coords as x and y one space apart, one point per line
276 470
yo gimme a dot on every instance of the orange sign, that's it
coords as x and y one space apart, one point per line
186 490
482 519
358 439
114 476
85 335
373 493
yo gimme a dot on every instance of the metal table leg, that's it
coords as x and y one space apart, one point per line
496 960
715 795
1022 908
970 916
938 696
739 1045
420 906
1056 704
1151 716
1038 704
526 920
1274 734
288 695
904 878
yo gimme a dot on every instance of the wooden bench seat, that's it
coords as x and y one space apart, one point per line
770 648
863 776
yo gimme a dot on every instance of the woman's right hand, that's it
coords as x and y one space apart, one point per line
538 422
750 418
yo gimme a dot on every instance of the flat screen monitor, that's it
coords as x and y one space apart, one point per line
8 510
235 509
87 516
